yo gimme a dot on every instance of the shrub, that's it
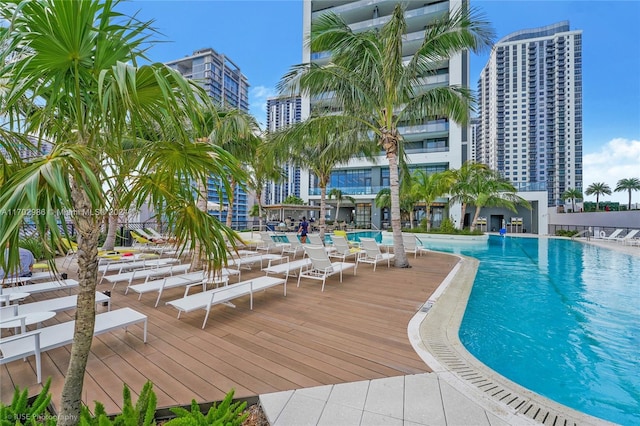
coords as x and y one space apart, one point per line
35 246
566 232
142 414
226 413
22 411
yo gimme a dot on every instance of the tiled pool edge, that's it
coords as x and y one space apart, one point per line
433 333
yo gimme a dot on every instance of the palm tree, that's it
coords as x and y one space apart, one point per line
320 144
598 188
70 73
484 187
630 184
572 194
237 133
429 187
340 197
462 190
407 202
264 169
368 80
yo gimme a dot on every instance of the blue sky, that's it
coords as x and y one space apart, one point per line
264 38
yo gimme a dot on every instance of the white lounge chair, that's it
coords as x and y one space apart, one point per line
120 267
613 235
342 249
47 338
287 268
294 245
175 281
371 253
267 243
322 267
249 259
59 304
41 287
207 299
630 235
411 245
146 273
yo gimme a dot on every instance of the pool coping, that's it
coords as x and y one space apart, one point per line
433 332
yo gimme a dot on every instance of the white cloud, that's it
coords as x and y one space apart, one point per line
258 103
618 159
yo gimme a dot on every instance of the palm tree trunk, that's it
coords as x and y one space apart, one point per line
230 204
196 260
428 209
323 209
260 220
110 241
88 229
412 217
629 200
475 218
401 260
463 209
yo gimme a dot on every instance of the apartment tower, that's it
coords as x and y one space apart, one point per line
229 88
530 101
432 146
283 111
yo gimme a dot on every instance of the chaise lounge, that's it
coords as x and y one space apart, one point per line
207 299
47 338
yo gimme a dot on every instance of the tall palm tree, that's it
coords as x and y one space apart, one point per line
429 187
320 144
368 80
598 189
630 184
340 197
572 194
70 73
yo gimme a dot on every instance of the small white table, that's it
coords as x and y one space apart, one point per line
16 297
30 319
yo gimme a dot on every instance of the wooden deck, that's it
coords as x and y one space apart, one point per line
352 331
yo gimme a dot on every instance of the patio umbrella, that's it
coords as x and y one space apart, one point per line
215 206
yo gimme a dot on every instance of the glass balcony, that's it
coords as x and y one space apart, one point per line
351 190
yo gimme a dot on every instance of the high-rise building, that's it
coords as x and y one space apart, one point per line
434 145
218 75
283 111
530 99
229 88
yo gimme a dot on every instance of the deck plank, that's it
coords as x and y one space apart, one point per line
354 330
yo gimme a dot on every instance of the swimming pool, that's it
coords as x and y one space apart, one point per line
560 318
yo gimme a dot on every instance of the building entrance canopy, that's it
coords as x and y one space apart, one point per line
279 212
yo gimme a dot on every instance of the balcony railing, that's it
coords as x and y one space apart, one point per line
351 190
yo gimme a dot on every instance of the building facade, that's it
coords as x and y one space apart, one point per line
223 81
283 111
433 146
530 104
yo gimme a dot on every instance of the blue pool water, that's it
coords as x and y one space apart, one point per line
560 318
355 235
